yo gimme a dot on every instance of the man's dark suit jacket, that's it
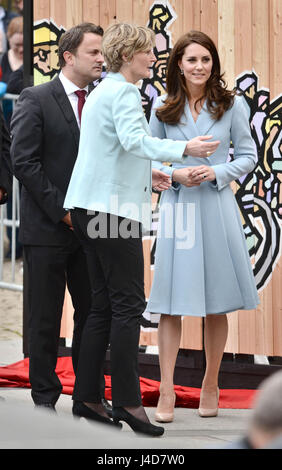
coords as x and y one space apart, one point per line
45 138
5 160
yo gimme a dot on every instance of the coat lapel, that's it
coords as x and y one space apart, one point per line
64 103
187 125
190 128
204 121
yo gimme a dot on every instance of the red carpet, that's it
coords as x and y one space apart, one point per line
16 375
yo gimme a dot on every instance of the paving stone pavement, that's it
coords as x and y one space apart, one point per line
23 427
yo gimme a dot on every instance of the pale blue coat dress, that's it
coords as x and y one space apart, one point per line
202 265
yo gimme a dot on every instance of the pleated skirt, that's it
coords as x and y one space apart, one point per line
202 265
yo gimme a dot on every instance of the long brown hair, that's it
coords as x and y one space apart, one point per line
219 99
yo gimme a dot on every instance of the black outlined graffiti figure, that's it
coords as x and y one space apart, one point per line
45 49
160 18
258 194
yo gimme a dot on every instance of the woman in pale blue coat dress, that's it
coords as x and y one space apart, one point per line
202 266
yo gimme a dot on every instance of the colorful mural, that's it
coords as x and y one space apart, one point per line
160 18
259 194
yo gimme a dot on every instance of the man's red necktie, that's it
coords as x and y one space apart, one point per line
81 100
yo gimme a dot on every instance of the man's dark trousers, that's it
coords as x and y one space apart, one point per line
45 139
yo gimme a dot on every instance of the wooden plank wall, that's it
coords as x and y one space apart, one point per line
248 34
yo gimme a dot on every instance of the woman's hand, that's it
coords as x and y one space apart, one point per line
202 173
160 180
183 176
199 147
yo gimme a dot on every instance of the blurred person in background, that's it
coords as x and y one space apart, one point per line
19 6
11 62
265 426
5 162
5 17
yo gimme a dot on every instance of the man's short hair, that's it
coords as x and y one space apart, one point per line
71 39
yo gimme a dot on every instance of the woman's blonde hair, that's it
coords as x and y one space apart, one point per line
123 39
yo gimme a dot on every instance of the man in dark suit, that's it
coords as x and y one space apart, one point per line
45 136
5 162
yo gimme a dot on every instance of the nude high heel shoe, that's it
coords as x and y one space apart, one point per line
166 416
209 412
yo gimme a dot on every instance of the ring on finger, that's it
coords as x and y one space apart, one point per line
209 154
204 176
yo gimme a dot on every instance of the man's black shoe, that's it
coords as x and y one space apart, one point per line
107 407
46 406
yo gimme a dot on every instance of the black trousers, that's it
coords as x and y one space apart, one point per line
116 269
49 270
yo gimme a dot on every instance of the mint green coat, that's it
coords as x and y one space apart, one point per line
113 170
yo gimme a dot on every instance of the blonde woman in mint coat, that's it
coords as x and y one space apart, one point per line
112 179
202 265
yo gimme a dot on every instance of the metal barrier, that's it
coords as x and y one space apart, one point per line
13 222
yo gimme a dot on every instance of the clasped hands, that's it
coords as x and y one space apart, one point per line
188 176
193 176
200 146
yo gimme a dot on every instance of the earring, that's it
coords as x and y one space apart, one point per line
181 71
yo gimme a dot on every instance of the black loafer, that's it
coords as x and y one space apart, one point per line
46 406
107 407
